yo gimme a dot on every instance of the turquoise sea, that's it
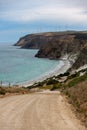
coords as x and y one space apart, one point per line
19 65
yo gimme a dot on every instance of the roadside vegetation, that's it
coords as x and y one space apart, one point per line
74 86
13 90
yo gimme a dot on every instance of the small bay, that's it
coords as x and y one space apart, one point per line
19 65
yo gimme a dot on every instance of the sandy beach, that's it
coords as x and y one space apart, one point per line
65 65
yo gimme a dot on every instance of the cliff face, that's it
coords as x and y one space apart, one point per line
73 45
58 44
35 41
81 60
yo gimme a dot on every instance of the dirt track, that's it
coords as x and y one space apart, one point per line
47 111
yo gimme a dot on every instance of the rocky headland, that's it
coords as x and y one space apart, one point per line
58 45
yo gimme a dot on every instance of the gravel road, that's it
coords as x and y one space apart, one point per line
38 111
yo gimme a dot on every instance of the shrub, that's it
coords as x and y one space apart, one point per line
2 91
56 86
73 75
51 81
62 75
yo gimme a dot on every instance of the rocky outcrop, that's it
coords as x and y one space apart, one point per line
58 44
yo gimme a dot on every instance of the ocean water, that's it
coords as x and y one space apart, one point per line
19 65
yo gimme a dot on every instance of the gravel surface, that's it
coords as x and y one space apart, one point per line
38 111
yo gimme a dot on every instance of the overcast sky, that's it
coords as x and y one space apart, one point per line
20 17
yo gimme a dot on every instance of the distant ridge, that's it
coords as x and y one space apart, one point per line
35 41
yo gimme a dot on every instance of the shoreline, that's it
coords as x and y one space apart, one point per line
58 70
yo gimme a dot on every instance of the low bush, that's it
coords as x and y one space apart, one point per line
56 86
2 91
51 81
73 75
62 75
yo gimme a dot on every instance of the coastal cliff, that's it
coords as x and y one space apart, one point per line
35 41
56 45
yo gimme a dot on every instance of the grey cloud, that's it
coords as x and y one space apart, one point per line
10 7
67 3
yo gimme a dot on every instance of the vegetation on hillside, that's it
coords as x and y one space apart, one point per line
74 87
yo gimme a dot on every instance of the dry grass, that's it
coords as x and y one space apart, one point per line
13 90
78 97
